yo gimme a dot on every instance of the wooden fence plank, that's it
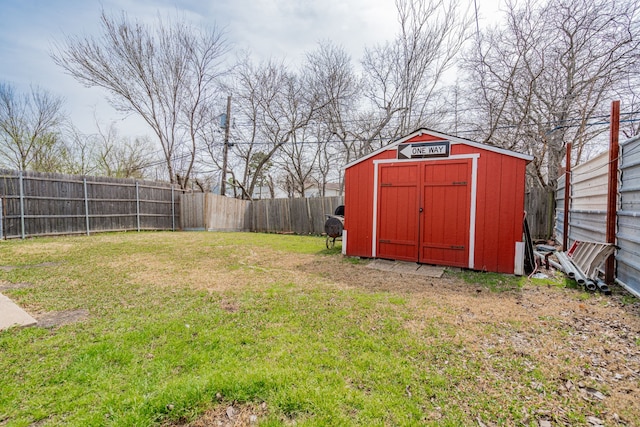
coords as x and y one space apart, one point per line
56 204
539 208
299 216
226 214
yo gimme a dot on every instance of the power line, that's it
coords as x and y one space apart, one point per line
475 3
620 156
355 140
444 112
349 141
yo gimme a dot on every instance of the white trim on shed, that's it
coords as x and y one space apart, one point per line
452 139
473 202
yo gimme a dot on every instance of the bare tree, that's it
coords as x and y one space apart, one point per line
403 77
331 80
330 158
546 76
297 159
264 176
121 157
629 94
166 74
81 152
30 126
274 110
253 88
52 154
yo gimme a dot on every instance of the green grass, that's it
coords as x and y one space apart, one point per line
158 348
628 299
494 282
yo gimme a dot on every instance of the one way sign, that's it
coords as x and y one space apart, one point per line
423 149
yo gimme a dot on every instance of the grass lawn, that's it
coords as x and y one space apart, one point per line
269 330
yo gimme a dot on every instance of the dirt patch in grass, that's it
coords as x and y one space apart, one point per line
218 272
53 248
39 265
59 318
587 345
5 286
229 416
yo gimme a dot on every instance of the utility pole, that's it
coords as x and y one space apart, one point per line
225 149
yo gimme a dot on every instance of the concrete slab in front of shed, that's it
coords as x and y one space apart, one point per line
382 264
407 268
12 315
430 270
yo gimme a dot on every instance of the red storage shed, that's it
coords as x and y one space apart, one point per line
437 199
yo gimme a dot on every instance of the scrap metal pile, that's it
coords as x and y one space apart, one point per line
582 262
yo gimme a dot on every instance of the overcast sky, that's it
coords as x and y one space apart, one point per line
283 29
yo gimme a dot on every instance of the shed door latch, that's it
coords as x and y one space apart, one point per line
459 182
456 247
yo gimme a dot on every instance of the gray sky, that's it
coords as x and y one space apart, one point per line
282 29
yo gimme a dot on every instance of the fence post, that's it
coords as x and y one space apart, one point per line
86 204
205 209
21 184
309 217
551 203
173 210
266 209
1 221
137 207
567 199
612 190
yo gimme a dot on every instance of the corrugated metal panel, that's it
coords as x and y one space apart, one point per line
588 211
628 235
589 184
559 227
588 204
588 226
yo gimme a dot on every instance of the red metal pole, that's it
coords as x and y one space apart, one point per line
612 191
567 197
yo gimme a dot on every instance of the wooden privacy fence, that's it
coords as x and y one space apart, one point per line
41 204
539 207
300 216
206 211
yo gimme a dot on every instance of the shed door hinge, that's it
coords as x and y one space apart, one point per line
456 247
459 182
